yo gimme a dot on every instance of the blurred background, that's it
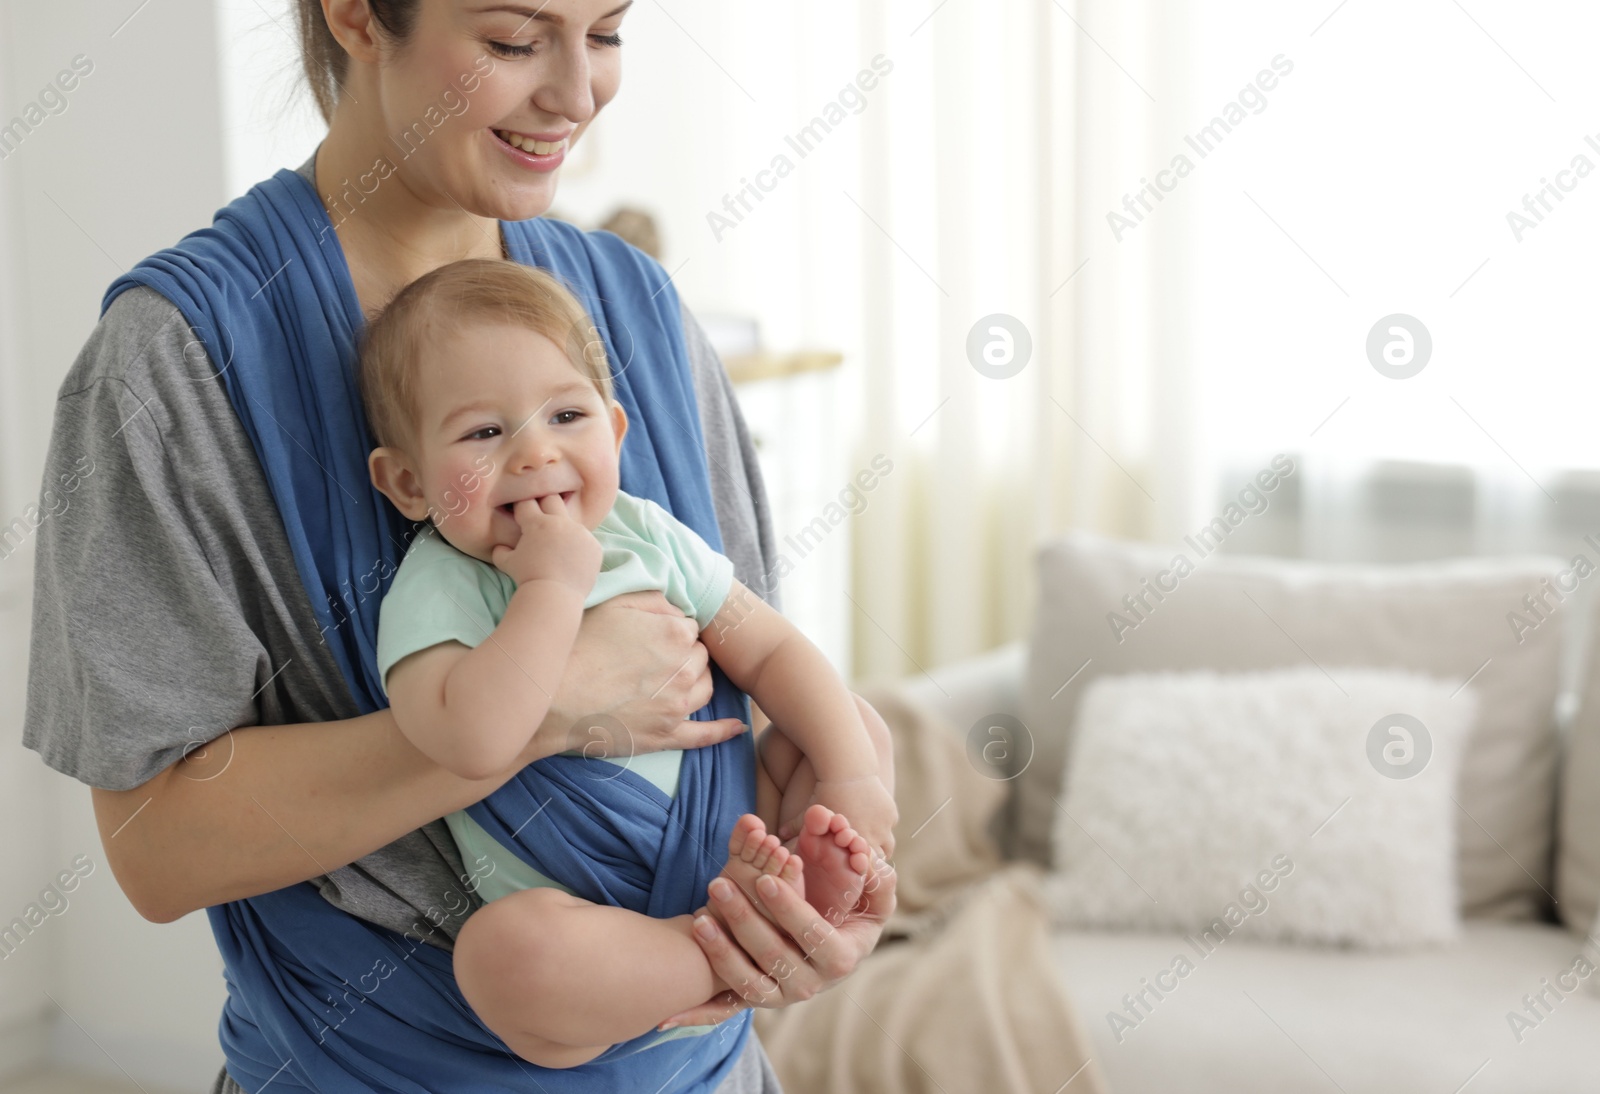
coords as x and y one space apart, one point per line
984 265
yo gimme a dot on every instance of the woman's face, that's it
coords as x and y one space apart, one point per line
477 82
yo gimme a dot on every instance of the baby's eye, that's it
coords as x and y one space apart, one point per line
486 433
562 416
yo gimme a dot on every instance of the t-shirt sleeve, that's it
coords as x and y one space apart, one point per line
138 652
707 574
438 595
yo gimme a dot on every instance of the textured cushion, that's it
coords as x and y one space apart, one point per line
1578 840
1445 619
1274 804
1260 1018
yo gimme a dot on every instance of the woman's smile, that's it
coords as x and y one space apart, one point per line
526 151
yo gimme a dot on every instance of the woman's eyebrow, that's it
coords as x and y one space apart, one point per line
553 18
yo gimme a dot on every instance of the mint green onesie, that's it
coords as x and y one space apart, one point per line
440 594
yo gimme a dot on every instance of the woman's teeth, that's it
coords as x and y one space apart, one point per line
538 148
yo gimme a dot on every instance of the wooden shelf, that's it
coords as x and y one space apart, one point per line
744 368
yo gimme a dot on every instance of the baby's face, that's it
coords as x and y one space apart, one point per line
504 416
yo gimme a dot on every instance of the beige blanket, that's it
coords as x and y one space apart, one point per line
961 994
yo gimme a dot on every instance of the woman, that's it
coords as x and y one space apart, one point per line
184 670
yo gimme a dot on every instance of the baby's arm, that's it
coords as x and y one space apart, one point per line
472 710
768 658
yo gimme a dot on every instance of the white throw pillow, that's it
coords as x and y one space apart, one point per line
1295 805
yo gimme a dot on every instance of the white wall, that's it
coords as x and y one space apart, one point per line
130 165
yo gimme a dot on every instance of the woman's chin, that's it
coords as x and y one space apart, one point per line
501 198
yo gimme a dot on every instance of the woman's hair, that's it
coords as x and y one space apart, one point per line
324 59
446 299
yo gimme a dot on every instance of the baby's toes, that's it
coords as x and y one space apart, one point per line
859 848
845 836
793 872
776 860
765 851
748 826
818 819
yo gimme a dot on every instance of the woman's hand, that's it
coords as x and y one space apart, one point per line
768 968
637 670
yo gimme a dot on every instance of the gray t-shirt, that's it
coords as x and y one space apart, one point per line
167 608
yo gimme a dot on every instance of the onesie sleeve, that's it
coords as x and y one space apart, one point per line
438 595
707 574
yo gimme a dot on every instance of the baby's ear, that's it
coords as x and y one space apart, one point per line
619 422
394 477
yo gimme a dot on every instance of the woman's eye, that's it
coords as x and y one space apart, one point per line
488 432
507 49
610 41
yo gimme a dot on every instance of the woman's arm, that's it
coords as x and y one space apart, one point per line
263 807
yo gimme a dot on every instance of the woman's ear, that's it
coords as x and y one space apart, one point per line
619 423
350 22
394 477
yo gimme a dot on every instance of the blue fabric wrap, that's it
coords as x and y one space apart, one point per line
319 1000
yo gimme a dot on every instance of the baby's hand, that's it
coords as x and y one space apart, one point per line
865 802
553 547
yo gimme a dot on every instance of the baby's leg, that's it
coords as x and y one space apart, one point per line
777 761
561 979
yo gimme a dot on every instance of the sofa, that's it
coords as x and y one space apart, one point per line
1506 1005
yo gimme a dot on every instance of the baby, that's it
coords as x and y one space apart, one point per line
490 395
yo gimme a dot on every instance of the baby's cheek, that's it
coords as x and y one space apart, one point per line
464 489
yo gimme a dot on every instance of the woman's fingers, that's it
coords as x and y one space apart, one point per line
825 953
719 1008
757 961
711 733
764 966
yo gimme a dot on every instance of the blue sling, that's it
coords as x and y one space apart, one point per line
319 1000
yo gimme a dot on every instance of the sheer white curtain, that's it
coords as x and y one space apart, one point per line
1037 120
965 213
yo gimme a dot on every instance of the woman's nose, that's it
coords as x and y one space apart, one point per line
566 88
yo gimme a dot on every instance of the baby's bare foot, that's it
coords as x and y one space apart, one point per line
836 859
753 851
